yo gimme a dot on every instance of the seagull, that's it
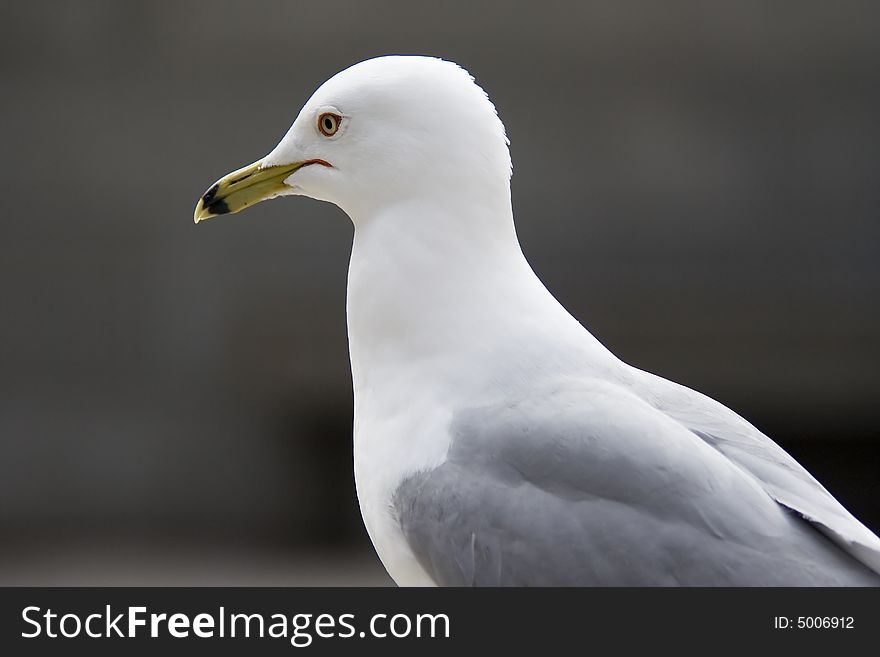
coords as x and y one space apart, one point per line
496 441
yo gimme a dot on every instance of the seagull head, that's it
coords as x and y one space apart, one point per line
379 133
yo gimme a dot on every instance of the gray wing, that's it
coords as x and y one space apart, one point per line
779 474
589 485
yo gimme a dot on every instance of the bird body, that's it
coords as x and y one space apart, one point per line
496 441
467 413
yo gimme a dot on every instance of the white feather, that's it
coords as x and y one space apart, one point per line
444 312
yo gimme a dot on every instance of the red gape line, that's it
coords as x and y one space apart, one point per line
323 163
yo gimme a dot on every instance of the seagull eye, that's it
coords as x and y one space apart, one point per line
328 123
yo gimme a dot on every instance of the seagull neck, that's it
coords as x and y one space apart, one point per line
437 283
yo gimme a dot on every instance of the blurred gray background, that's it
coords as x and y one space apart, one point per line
698 183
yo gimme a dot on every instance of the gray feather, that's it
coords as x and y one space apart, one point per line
588 485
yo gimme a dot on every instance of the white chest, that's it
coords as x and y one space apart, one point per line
388 447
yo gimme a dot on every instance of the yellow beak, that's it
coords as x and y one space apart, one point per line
246 187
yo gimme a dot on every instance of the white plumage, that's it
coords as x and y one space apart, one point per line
496 441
